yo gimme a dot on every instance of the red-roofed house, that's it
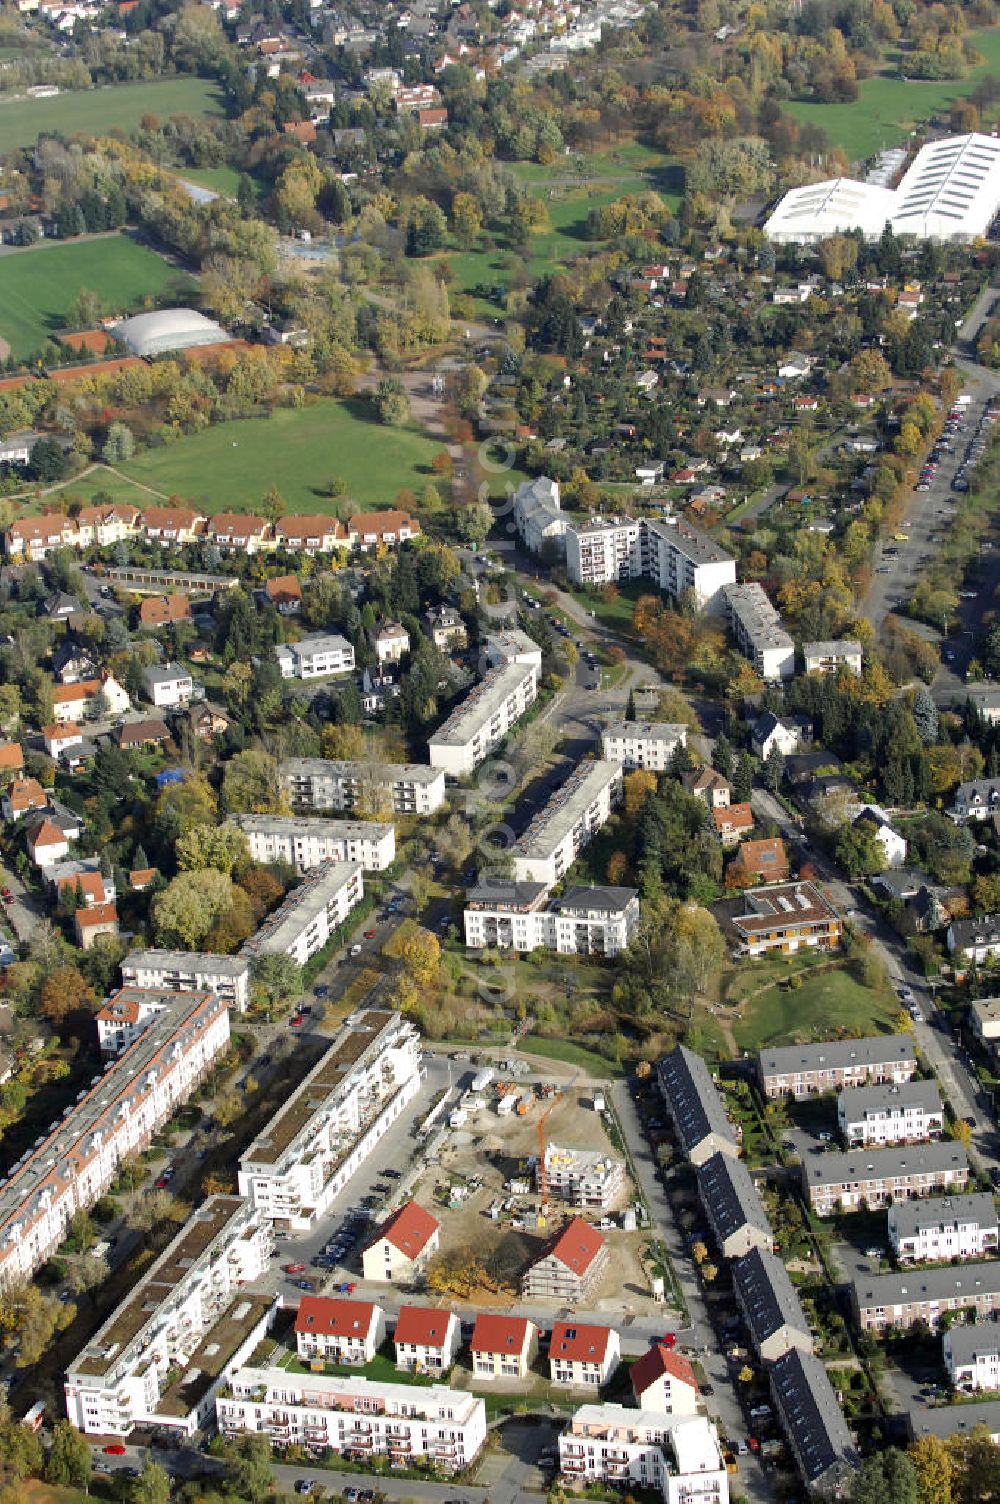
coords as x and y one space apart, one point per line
141 879
46 843
285 592
11 757
426 1340
368 529
23 795
583 1356
310 535
732 822
34 537
57 738
164 610
404 1245
502 1347
99 919
338 1331
664 1381
571 1266
88 887
239 531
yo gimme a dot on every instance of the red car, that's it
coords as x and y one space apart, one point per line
669 1339
369 934
115 1449
6 895
295 1268
296 1022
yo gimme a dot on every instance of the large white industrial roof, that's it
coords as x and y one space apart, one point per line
831 208
168 329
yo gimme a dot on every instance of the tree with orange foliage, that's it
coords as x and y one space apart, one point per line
65 991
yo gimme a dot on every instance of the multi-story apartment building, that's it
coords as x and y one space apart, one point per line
695 1108
733 1207
316 784
485 717
443 1427
571 1266
315 657
945 1227
328 1330
950 1421
804 1070
642 744
671 553
898 1300
538 517
70 1168
571 818
972 1356
583 921
771 1309
984 1017
583 1356
604 551
305 843
786 917
311 912
904 1114
190 971
512 646
865 1178
977 800
160 1358
332 1120
812 1420
677 1455
757 631
831 657
585 1178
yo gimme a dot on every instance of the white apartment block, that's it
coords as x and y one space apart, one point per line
901 1114
830 657
671 553
972 1356
169 687
489 712
445 1427
757 630
571 818
190 971
160 1358
605 551
642 744
71 1167
584 1178
582 922
950 1227
317 784
863 1179
538 516
512 646
332 1121
315 657
803 1070
304 843
678 1455
310 914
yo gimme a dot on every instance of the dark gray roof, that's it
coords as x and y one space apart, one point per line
912 1286
856 1102
593 900
954 1420
694 1105
812 1418
880 1164
911 1217
730 1197
503 893
985 931
968 1339
837 1054
767 1296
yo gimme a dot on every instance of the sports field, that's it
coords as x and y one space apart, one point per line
299 450
38 286
97 111
887 109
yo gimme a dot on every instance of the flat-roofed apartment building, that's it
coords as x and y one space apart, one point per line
642 744
436 1425
804 1070
677 1455
189 971
881 1301
315 657
68 1169
486 716
584 1178
581 922
890 1114
304 843
572 817
862 1179
670 552
785 917
310 913
317 783
945 1227
757 631
694 1106
161 1357
332 1120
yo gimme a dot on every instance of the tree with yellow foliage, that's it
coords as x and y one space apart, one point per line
638 785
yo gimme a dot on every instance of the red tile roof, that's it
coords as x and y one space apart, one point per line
160 610
660 1361
89 884
26 793
97 915
733 817
423 1326
11 756
577 1246
499 1334
283 589
335 1318
579 1344
46 834
410 1229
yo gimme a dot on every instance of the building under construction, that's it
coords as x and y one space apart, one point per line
583 1178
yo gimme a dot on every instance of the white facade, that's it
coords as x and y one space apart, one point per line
187 1304
642 744
954 1227
332 1121
513 646
190 971
829 657
391 642
671 553
890 1114
583 1356
310 914
437 1425
972 1355
329 1330
168 687
757 630
680 1455
584 1178
485 717
426 1339
315 783
598 922
538 516
572 817
305 843
315 657
809 214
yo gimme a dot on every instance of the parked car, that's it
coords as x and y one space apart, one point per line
295 1268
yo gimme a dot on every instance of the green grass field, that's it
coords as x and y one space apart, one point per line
887 108
826 1000
299 450
38 286
571 1054
97 111
224 180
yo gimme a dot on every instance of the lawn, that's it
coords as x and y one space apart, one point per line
299 450
826 1001
224 180
97 111
570 1054
39 285
887 108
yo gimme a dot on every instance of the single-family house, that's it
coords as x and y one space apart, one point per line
705 783
426 1339
664 1381
583 1356
732 823
168 686
404 1245
92 921
758 862
502 1347
328 1330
